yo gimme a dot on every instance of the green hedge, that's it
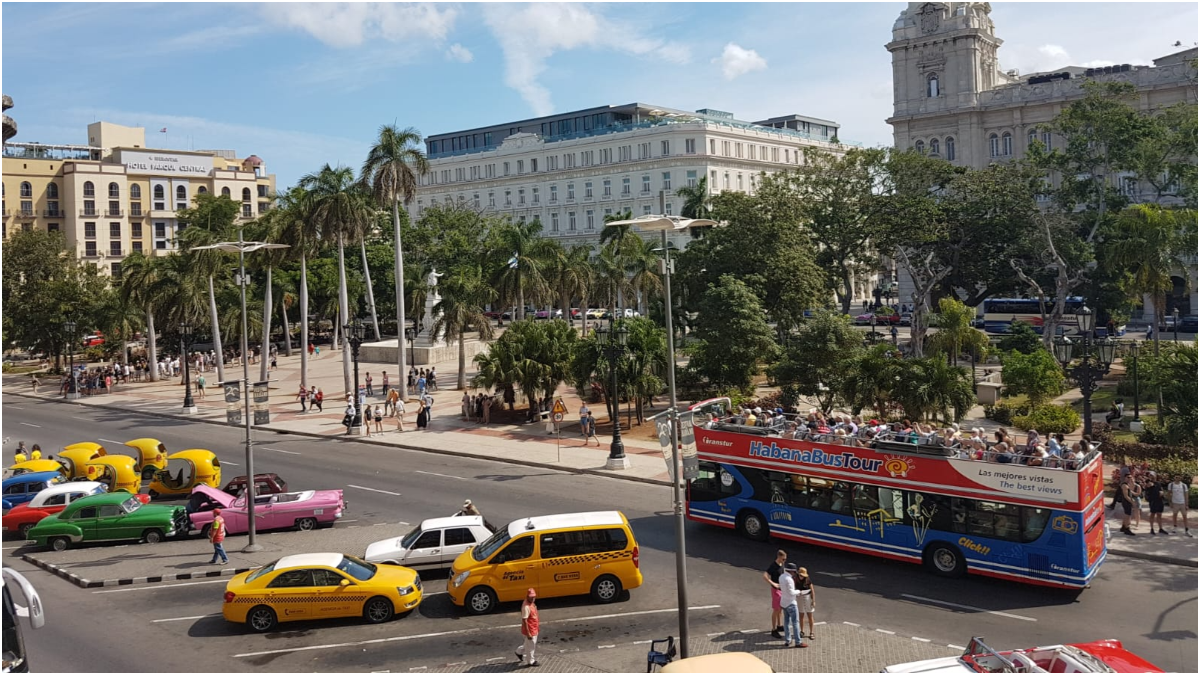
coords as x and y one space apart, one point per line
1049 419
1004 412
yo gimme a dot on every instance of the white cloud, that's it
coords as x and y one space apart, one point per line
736 61
459 53
1053 52
1046 58
531 34
351 24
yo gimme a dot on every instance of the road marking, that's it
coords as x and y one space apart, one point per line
456 663
751 631
856 625
605 646
185 618
464 631
715 634
154 587
641 642
496 658
348 521
37 426
967 607
886 632
229 463
386 492
956 647
429 595
922 639
286 452
16 407
430 473
109 440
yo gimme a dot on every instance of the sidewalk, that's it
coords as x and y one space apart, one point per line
449 434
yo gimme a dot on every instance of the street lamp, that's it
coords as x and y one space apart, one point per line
612 340
1137 389
1175 312
185 336
873 321
242 247
1086 375
355 332
73 382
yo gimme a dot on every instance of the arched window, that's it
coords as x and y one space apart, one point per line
245 194
224 192
135 191
26 189
114 191
932 89
159 193
994 145
950 148
52 191
201 190
935 147
1006 144
89 190
920 146
1032 138
180 192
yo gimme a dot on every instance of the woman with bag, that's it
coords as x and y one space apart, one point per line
806 601
422 414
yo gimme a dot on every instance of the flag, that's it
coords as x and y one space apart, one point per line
512 262
162 130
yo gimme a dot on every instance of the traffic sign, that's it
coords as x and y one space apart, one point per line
558 417
559 408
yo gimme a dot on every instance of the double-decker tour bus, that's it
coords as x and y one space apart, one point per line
1000 313
892 498
15 660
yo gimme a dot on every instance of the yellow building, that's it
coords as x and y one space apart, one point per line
115 196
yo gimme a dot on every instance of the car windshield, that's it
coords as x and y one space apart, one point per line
1090 660
359 569
411 538
130 505
490 545
265 569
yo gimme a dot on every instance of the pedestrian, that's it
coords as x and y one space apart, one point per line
1179 504
422 414
421 382
583 421
370 388
529 629
466 406
591 429
318 398
302 396
366 419
1136 492
35 452
771 575
216 534
792 636
33 380
20 456
895 334
398 408
274 361
310 349
1153 492
1125 493
412 377
469 509
379 419
431 379
806 601
348 417
392 397
487 410
317 353
385 384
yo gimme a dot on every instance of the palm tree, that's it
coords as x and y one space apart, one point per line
617 234
461 308
301 232
571 273
269 228
218 224
518 254
695 200
955 332
392 169
139 283
285 283
341 209
641 261
119 319
610 276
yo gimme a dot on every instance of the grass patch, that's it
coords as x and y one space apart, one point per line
1104 398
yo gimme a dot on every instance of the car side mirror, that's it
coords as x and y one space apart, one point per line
344 582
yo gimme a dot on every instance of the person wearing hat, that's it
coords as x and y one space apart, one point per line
216 534
20 456
529 628
468 509
792 636
806 600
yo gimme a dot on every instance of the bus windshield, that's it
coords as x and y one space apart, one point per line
15 659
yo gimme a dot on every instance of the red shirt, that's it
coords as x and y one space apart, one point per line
529 624
217 533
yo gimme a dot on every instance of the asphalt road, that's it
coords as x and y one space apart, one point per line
1151 607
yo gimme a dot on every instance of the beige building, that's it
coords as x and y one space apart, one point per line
952 99
115 196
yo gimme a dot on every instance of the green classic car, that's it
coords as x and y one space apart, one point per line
109 517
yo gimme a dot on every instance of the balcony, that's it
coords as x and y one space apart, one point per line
28 213
115 253
54 213
89 213
114 214
137 214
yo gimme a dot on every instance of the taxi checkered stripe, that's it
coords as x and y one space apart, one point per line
590 557
297 600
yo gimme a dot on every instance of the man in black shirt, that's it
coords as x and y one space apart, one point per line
1153 491
771 575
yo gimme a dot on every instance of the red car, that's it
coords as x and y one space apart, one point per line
22 517
264 484
1102 656
94 339
882 318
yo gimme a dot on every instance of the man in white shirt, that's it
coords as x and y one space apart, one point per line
1179 504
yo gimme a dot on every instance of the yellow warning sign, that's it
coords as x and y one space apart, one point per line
559 407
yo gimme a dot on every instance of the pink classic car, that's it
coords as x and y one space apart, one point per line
302 510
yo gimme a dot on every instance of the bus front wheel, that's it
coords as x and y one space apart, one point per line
945 560
753 526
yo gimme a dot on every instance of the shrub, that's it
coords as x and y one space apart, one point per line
1020 338
1036 375
1004 412
1049 419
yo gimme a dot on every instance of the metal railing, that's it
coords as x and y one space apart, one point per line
53 213
89 213
114 214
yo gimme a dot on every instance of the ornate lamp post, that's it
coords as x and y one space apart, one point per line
355 332
185 336
1175 312
73 382
873 326
612 340
1137 388
1086 375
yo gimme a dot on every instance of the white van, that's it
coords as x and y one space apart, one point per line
434 544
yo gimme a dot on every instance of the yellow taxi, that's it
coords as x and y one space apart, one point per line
569 554
77 456
118 472
34 466
310 586
151 456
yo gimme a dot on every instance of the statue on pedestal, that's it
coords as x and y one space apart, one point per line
432 298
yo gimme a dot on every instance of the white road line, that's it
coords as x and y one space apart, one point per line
430 595
751 631
155 587
185 618
715 634
286 452
820 623
16 407
37 426
496 658
430 473
400 638
922 639
9 548
605 646
456 663
109 440
229 463
886 632
967 607
355 520
956 647
641 642
386 492
856 625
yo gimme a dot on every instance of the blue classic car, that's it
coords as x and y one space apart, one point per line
22 488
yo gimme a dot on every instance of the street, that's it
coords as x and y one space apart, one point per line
1150 606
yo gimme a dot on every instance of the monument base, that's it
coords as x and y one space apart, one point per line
617 463
420 353
72 395
191 410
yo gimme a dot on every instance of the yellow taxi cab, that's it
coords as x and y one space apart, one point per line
320 586
77 456
118 472
185 470
570 554
151 457
34 466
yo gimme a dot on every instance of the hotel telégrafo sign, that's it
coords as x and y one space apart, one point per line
162 163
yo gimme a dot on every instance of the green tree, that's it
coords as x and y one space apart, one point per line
639 372
393 169
518 257
732 336
1174 374
209 220
1021 338
1165 159
696 200
820 359
461 309
931 387
141 287
955 334
873 377
534 356
1036 375
571 273
301 232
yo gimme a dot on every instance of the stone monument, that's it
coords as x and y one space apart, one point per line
432 298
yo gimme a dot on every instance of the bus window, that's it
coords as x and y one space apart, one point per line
865 498
892 501
1034 523
981 519
713 483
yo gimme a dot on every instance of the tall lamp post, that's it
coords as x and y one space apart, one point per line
612 340
185 337
1137 388
73 382
1086 375
1175 313
242 247
355 332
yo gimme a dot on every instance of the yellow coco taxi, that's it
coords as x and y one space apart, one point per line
34 466
320 586
118 472
571 554
151 456
76 457
185 470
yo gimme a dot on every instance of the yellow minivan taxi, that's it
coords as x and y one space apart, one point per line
570 554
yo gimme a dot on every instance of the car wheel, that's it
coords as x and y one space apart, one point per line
261 619
481 600
205 530
152 494
752 525
24 529
60 543
945 560
378 610
306 524
606 589
153 536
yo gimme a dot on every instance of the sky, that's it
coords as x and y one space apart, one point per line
305 84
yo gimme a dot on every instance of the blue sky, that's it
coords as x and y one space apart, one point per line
301 85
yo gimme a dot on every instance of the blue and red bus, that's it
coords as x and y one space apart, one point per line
1000 313
899 500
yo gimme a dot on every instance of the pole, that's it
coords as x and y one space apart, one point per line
1137 389
357 401
676 461
251 545
189 405
1086 371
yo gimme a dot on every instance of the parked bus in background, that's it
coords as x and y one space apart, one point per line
1000 313
15 660
893 497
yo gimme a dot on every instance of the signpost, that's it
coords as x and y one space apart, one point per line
262 412
559 411
233 400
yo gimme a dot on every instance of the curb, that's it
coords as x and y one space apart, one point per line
1170 560
127 581
452 453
